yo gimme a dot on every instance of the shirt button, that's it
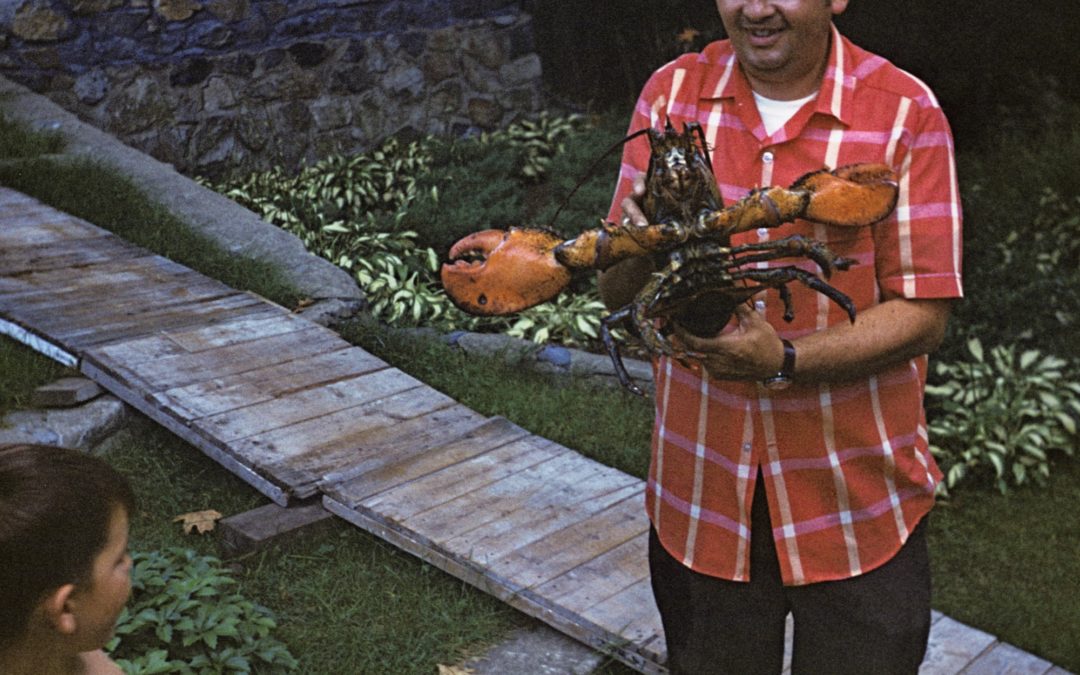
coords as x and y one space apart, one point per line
759 305
767 157
762 232
746 447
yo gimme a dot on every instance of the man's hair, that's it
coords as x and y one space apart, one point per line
55 510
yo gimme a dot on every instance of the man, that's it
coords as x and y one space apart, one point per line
810 498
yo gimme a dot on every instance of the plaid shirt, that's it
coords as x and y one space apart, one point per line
847 470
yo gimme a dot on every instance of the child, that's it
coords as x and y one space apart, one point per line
64 566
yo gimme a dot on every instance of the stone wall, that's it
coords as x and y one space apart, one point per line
210 84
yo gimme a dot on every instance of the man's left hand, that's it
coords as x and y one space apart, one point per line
749 349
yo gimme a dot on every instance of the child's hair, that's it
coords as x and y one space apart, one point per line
55 509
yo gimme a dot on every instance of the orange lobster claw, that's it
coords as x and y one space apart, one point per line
498 272
855 195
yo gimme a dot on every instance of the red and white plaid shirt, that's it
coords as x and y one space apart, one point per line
847 470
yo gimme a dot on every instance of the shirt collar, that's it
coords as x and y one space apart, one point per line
834 96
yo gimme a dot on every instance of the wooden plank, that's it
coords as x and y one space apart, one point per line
173 366
217 395
1005 659
80 306
341 431
275 321
598 579
225 309
300 405
373 448
559 504
482 507
493 433
436 488
630 614
952 646
52 282
63 254
109 275
561 552
39 227
131 319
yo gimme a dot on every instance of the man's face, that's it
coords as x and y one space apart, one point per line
781 44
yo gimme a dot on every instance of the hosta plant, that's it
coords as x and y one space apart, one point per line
184 618
1002 415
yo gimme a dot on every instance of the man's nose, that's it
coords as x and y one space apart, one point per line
755 10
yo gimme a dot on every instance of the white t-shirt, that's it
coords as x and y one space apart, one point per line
775 114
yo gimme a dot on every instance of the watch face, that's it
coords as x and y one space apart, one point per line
777 382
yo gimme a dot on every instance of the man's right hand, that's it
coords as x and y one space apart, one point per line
631 204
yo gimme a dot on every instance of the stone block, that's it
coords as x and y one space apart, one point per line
251 530
65 392
37 21
176 10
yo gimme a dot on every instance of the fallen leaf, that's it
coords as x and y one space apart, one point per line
455 670
687 35
198 521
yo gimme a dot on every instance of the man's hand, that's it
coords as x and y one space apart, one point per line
883 335
631 204
751 350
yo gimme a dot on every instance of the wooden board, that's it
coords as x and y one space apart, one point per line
250 387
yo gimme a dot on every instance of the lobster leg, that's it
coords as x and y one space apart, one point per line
612 348
778 276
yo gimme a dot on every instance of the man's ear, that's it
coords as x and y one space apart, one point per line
58 608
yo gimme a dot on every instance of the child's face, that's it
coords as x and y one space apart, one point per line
101 600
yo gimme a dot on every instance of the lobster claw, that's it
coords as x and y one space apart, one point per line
855 195
496 272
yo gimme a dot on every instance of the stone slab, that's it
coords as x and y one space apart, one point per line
65 392
252 530
80 427
539 650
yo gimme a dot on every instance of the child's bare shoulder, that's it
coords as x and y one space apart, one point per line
98 663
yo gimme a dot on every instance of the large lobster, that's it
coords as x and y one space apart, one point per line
701 277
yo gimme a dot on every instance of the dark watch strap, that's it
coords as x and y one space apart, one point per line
782 379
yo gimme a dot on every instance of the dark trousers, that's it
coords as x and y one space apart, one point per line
873 624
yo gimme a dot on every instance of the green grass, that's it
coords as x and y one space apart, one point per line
1009 564
18 141
21 371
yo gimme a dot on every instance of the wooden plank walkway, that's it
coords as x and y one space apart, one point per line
298 413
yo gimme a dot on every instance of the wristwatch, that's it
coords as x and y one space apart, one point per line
782 379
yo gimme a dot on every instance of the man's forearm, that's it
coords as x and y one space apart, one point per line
881 336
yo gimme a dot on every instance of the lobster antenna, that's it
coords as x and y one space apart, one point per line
592 168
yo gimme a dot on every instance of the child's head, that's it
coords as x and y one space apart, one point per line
63 541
